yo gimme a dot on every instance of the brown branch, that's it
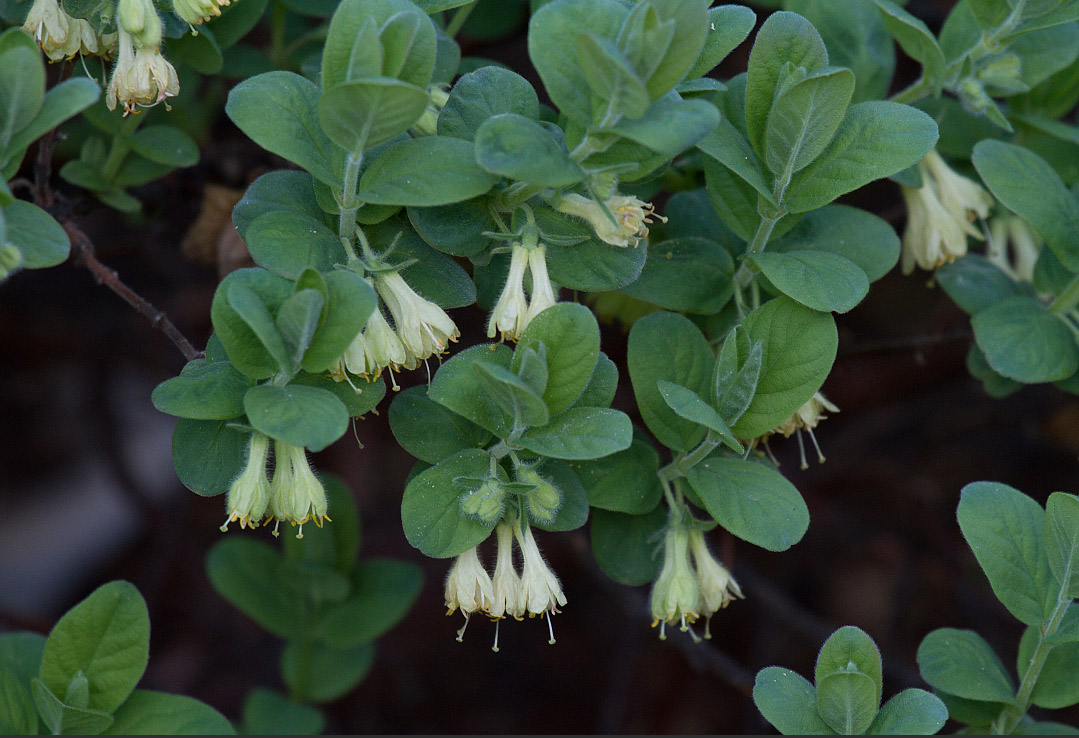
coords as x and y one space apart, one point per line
109 278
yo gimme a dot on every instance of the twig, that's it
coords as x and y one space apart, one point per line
109 278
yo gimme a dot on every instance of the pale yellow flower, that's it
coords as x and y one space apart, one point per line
249 495
631 217
140 77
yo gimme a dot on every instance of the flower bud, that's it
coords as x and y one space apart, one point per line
10 257
427 125
249 495
544 499
485 504
140 19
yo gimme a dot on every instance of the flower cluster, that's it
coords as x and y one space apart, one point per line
195 12
940 215
61 36
423 329
534 591
1013 247
622 220
513 311
295 494
141 75
806 419
684 591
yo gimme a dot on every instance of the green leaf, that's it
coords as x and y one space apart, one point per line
685 274
784 39
203 391
1062 541
602 385
454 229
552 46
612 76
688 404
286 242
588 264
457 387
726 145
260 294
851 649
1004 528
581 433
847 702
254 577
623 482
165 145
573 512
1058 682
350 301
861 237
875 140
803 119
571 336
426 171
513 146
960 662
297 320
1022 340
429 431
62 101
911 712
331 672
798 348
363 113
64 719
383 590
431 511
513 395
277 191
482 94
158 713
1026 184
625 545
20 654
42 241
691 23
975 284
279 111
22 87
106 637
752 501
18 715
1045 727
199 51
269 713
916 40
728 27
789 702
737 372
433 275
296 414
817 279
668 346
208 455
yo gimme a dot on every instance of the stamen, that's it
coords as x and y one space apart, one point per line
663 630
771 456
461 632
708 627
550 629
820 456
802 449
692 634
495 647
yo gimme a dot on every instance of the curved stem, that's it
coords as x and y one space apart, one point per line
458 21
346 223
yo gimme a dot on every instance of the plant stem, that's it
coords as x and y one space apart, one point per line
277 34
458 21
120 148
346 224
1012 715
681 465
760 239
1068 298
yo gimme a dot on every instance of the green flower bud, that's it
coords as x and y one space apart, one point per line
10 257
140 19
485 504
675 595
544 499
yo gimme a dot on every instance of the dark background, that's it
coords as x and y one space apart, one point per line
87 494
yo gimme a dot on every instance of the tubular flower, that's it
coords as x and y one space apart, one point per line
939 215
249 495
806 418
468 587
631 217
1025 246
194 12
543 294
717 587
510 316
142 77
427 125
423 327
296 494
506 582
50 26
675 595
540 591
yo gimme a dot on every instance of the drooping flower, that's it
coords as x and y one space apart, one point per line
296 494
543 294
468 587
675 594
141 77
249 495
194 12
423 327
510 316
940 215
50 26
630 217
716 585
540 591
1014 247
806 419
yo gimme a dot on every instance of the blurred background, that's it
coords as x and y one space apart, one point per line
88 494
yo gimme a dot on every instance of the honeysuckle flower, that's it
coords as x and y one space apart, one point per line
50 26
540 591
631 217
1013 247
140 19
423 327
543 294
716 585
296 495
939 215
510 316
506 583
468 587
806 419
249 495
10 260
141 77
427 125
194 12
675 595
